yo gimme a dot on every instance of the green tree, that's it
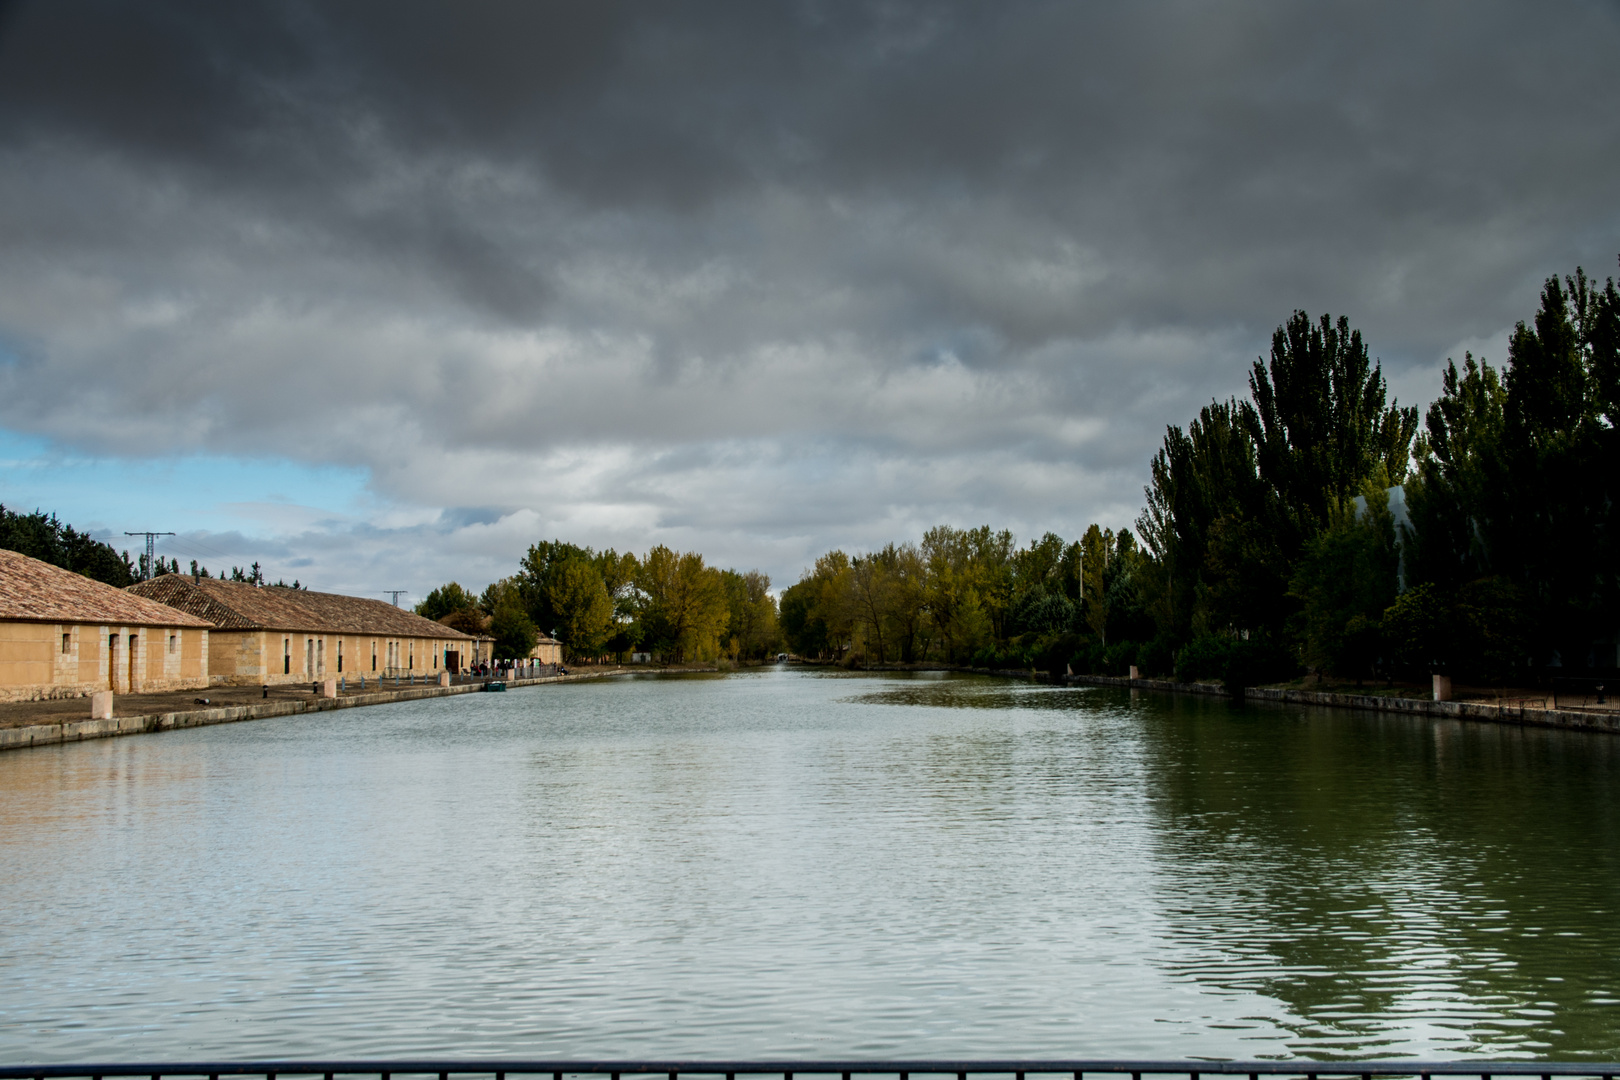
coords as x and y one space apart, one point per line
685 610
581 606
1345 581
445 600
1455 489
541 563
1206 487
1320 424
751 629
803 628
42 536
1554 534
514 632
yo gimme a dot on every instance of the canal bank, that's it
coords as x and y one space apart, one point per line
22 737
1568 719
1518 713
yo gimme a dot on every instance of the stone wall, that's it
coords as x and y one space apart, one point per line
41 661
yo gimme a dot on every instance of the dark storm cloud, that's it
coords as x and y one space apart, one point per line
812 269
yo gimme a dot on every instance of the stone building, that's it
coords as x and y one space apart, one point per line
64 635
547 650
275 635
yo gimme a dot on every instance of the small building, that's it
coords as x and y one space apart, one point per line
272 634
63 635
547 650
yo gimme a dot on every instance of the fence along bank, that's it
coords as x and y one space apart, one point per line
270 635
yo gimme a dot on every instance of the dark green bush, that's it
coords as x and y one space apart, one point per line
1158 657
1203 657
1254 662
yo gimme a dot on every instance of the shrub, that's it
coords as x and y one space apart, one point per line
1203 657
1259 660
1118 658
1157 657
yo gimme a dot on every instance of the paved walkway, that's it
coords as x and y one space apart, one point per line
19 714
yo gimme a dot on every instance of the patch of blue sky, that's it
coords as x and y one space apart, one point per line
191 494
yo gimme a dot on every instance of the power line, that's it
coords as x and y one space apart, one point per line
151 550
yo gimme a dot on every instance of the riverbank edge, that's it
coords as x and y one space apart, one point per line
1437 710
1567 719
22 738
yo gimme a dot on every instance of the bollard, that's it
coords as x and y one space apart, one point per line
1442 688
101 705
444 678
329 688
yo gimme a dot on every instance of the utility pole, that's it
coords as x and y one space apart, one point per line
151 548
395 594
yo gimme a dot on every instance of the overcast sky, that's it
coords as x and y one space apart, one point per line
380 293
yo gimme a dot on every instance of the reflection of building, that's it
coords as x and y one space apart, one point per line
280 635
63 635
548 650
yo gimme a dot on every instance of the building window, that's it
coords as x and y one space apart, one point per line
373 656
413 656
173 640
340 656
66 641
286 656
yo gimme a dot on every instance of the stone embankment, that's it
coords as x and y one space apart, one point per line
1518 713
1440 710
17 738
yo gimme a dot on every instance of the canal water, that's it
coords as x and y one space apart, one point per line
813 864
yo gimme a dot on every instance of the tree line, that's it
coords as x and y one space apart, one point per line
600 604
1314 525
44 537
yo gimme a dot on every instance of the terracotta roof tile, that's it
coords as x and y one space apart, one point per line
359 615
39 592
234 605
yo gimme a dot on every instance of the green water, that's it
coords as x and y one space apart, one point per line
808 864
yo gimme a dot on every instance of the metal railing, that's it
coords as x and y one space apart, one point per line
1014 1069
1577 693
